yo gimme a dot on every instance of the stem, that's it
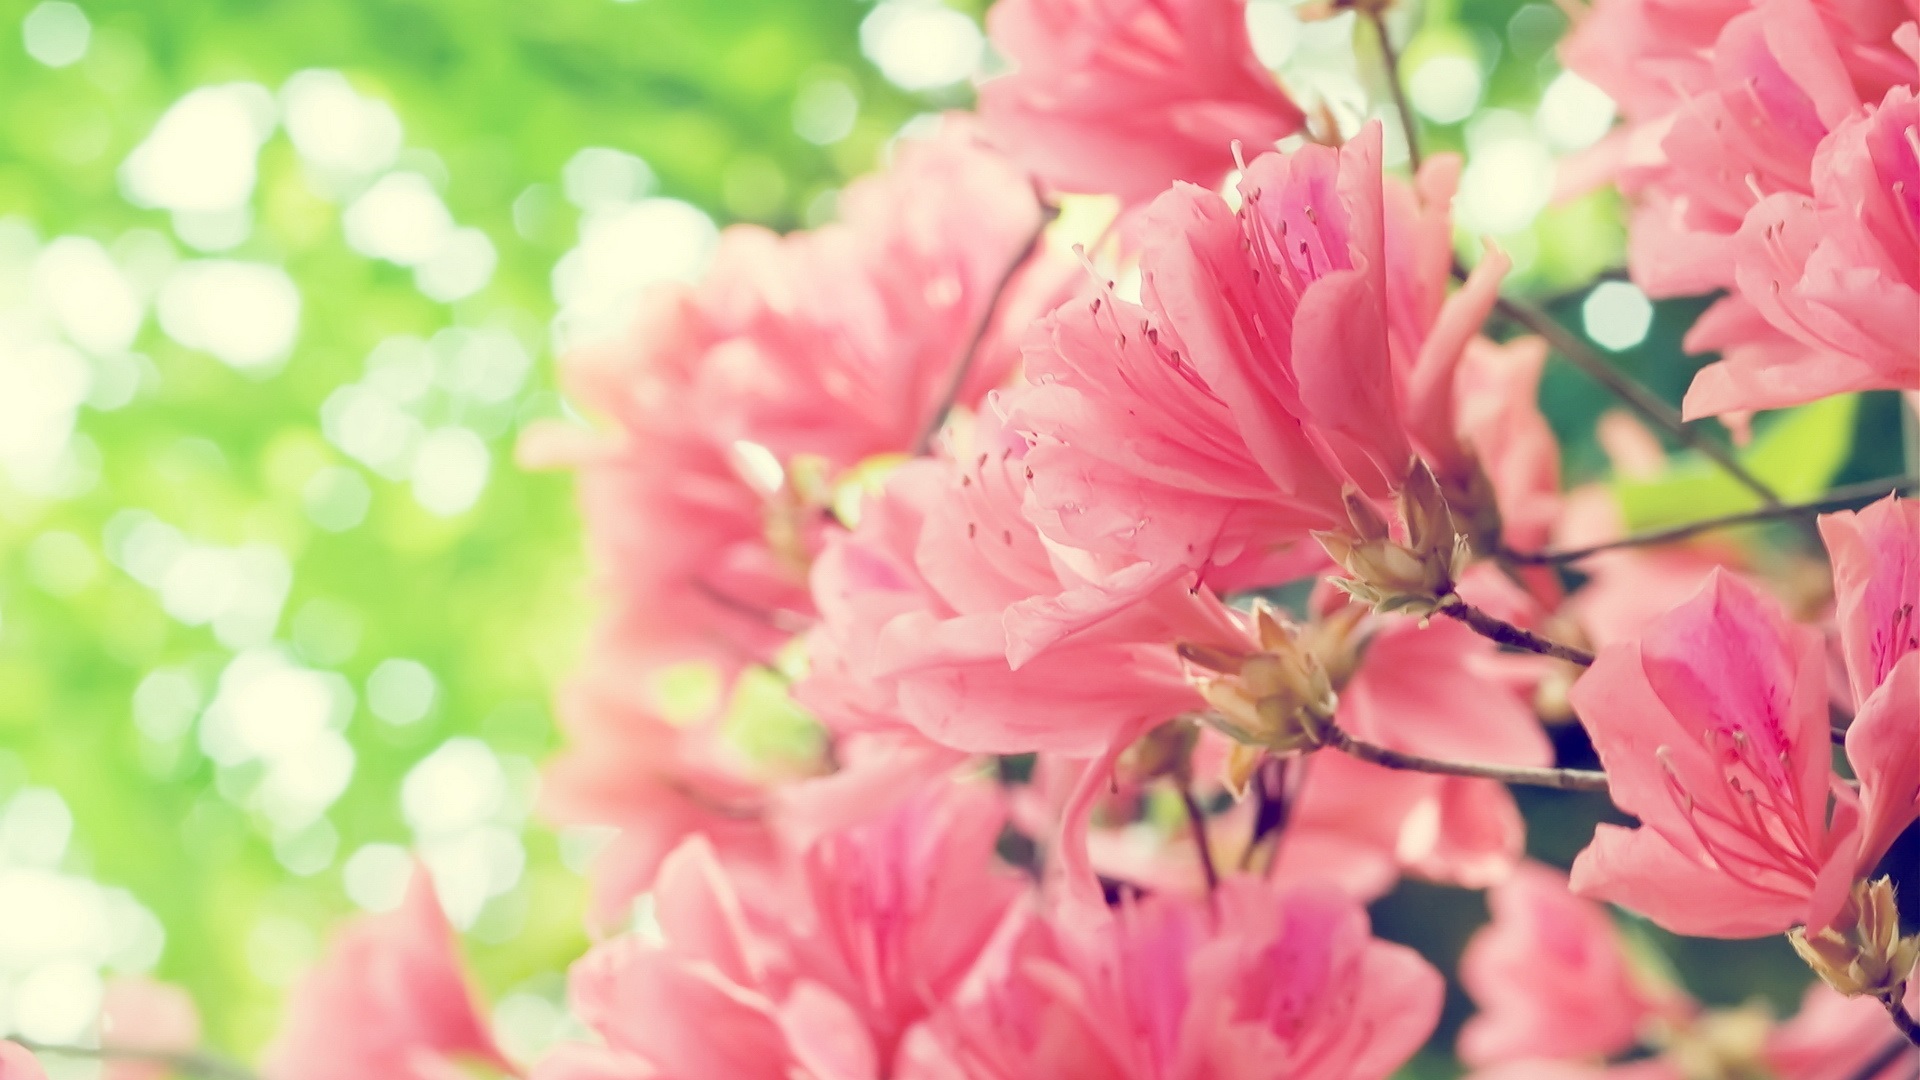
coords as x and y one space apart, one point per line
186 1063
1878 1063
1837 499
1636 397
957 380
1508 634
1400 103
1197 819
1273 795
1559 779
1902 1019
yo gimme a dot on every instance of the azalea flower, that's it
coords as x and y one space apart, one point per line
1280 353
1256 982
1728 103
1838 271
389 1000
875 927
17 1064
1124 97
1713 728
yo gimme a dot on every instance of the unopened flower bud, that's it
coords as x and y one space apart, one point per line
1414 576
1243 761
1165 751
1278 698
1722 1043
1868 959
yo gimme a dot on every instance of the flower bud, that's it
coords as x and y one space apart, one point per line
1869 959
1278 698
1165 751
1721 1044
1391 576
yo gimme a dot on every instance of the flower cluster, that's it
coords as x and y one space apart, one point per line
1160 602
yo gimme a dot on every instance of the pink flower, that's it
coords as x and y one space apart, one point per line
853 330
1279 353
17 1064
1418 690
683 540
921 606
742 401
1713 730
389 1000
1876 584
1360 826
1876 578
1727 103
656 782
1552 980
824 980
1257 984
143 1015
1833 1037
1125 97
1498 417
1838 271
1651 1069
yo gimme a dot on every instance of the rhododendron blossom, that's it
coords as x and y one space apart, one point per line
1255 984
17 1064
874 929
1713 726
1131 622
1838 270
390 1000
1279 353
1731 106
1127 96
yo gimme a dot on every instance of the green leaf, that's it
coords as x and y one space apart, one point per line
1797 455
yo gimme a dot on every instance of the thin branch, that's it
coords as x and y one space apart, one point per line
1902 1019
1273 796
1559 779
1837 499
1392 58
1636 397
1496 629
1197 820
186 1063
1877 1064
958 379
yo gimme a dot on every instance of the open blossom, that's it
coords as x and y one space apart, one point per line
1727 105
389 1000
1425 691
1551 977
847 336
143 1015
1713 728
1834 1037
17 1064
1876 581
1258 983
1837 270
740 402
1279 354
656 782
877 926
1124 97
947 604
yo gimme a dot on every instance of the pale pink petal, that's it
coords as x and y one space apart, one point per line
1883 745
1876 586
826 1036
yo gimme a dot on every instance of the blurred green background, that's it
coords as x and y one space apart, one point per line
280 282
